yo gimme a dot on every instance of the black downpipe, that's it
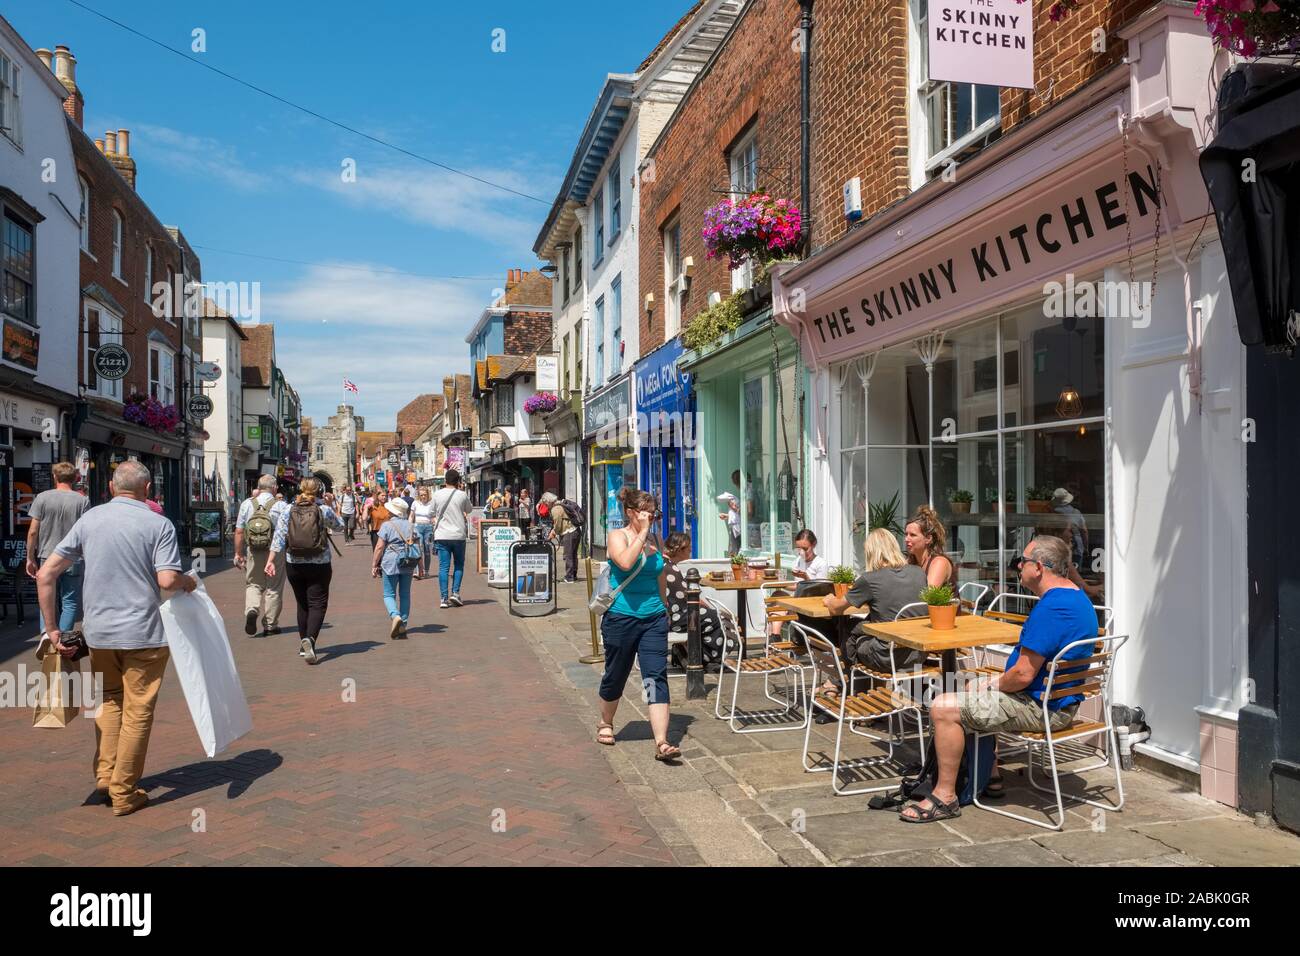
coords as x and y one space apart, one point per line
805 117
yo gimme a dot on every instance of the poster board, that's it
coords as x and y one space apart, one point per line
499 541
483 527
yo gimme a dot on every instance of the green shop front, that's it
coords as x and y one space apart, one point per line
749 388
609 449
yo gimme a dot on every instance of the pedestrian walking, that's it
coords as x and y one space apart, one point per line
524 509
422 515
376 515
348 512
53 513
302 535
451 508
130 557
254 530
636 625
565 533
398 555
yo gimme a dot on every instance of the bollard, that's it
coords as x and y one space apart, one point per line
695 689
596 656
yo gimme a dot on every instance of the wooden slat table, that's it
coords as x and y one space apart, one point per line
742 589
815 607
971 631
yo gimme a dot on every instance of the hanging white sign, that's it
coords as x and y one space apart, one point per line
987 42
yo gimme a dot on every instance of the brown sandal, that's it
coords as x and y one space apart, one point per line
667 752
605 734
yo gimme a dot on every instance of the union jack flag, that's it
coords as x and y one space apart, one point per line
348 386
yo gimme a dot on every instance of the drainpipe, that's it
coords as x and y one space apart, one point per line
805 118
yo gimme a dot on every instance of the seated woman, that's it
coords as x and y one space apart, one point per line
716 642
888 584
924 537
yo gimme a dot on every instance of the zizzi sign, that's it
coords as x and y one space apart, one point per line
1090 217
112 362
989 42
200 406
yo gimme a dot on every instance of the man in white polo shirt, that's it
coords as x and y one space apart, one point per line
130 557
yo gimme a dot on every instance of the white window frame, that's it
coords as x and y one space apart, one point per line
674 280
110 333
11 107
163 388
84 214
119 229
616 323
615 193
923 160
742 165
148 273
170 315
598 327
598 237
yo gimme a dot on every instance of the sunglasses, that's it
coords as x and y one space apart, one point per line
1019 561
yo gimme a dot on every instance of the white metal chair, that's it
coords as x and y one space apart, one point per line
770 664
1086 676
926 673
850 708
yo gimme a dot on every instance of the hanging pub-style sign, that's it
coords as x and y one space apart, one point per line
199 407
987 42
112 361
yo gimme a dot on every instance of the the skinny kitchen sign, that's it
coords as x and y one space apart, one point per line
1089 218
990 42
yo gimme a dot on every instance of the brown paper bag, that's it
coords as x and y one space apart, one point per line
56 705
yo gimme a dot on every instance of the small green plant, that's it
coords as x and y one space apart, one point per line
713 323
1040 493
884 514
960 496
937 595
737 560
842 574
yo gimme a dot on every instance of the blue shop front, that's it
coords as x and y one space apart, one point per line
667 437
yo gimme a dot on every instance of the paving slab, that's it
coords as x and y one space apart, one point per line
1008 853
907 858
1228 842
719 836
1088 847
843 836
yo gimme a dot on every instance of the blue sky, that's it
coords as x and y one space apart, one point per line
239 172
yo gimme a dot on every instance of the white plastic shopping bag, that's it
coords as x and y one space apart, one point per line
201 652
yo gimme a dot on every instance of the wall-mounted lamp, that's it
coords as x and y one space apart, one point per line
650 302
714 298
688 266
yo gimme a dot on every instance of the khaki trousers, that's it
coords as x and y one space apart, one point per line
260 594
131 682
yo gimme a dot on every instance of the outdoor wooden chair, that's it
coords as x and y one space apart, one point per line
1089 677
848 709
772 663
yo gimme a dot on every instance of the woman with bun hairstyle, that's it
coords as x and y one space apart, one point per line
636 625
924 539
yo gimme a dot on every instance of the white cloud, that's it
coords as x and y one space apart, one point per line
442 200
201 156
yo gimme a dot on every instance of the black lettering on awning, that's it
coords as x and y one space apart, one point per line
1050 245
910 298
1073 221
982 266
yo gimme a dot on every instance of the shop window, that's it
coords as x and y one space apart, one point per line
11 116
674 280
102 328
742 162
950 117
18 271
162 374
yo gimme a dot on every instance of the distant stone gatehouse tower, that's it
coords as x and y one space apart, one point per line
332 451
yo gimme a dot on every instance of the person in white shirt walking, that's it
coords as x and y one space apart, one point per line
451 508
254 530
422 515
348 511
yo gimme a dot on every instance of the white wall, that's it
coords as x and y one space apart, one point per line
46 151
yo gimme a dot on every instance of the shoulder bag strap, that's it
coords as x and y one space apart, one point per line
639 565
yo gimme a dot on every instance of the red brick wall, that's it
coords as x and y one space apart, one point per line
108 192
527 332
754 79
416 416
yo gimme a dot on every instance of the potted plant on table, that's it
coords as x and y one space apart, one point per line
842 578
943 613
1039 499
959 501
738 567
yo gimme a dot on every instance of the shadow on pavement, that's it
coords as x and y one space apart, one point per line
427 629
239 772
678 724
332 651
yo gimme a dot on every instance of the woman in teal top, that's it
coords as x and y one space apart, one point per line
636 625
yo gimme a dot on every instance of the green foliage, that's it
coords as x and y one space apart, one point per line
713 323
738 560
1041 493
960 495
842 574
884 514
937 595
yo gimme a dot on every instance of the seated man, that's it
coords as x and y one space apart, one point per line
1013 701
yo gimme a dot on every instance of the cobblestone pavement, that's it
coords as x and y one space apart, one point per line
455 729
746 799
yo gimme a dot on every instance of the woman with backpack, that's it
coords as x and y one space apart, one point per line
398 555
302 533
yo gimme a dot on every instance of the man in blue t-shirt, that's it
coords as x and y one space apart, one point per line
1013 700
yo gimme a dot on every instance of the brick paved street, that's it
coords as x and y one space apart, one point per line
450 729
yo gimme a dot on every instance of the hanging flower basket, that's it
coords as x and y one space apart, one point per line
151 413
541 403
1250 28
757 228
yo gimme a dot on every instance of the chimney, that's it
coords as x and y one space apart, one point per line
99 145
65 69
46 57
117 147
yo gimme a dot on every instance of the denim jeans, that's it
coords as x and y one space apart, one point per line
447 552
69 595
397 591
425 533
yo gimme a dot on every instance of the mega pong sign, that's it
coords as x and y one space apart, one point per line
990 42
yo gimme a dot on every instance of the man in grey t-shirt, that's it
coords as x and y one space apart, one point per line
53 514
130 556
